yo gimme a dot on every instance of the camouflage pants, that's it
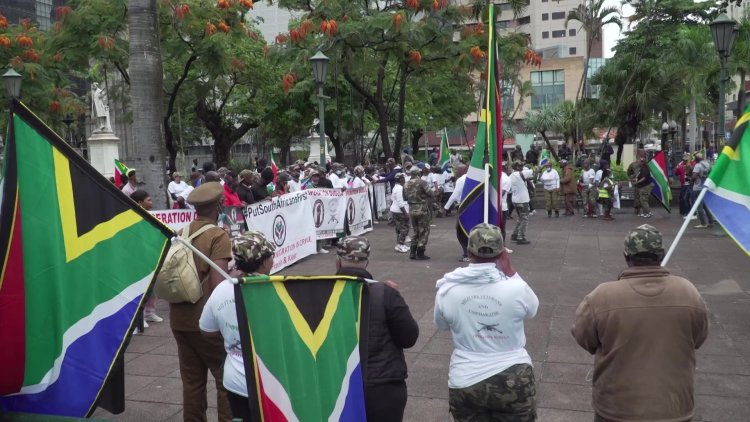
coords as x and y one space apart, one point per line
590 196
402 227
636 200
421 225
523 220
551 200
644 195
509 396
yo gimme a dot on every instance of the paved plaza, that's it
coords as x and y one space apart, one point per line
567 258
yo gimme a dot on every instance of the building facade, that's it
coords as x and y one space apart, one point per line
40 12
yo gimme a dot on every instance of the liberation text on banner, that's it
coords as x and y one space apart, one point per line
285 221
358 211
175 219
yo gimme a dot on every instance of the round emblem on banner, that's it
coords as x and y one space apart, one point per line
318 212
279 230
350 208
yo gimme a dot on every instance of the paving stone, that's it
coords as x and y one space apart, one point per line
438 346
568 373
152 365
135 383
568 352
138 411
560 415
144 344
421 409
720 364
163 390
428 376
564 396
717 408
727 385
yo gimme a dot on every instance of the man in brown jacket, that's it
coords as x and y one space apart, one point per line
569 186
644 330
199 354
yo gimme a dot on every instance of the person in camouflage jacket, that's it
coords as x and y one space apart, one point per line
419 196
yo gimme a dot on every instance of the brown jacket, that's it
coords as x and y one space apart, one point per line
644 330
568 181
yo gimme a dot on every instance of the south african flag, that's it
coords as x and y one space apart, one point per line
77 258
300 343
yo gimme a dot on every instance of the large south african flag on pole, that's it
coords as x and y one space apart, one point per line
661 191
300 343
77 258
728 195
489 142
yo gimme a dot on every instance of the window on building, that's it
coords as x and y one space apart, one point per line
503 24
549 88
505 6
524 20
572 51
558 15
506 87
558 34
571 32
545 16
545 34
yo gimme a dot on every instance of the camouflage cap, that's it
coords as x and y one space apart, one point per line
517 163
643 239
354 248
251 245
486 241
414 170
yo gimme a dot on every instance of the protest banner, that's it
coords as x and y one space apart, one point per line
358 211
328 212
234 218
275 219
175 219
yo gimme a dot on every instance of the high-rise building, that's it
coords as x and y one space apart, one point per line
40 12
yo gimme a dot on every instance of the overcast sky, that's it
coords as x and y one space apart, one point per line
611 32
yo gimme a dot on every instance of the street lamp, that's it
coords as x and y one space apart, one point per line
12 81
668 130
724 32
319 64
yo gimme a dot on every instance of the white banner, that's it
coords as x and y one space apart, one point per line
328 209
358 211
175 219
285 221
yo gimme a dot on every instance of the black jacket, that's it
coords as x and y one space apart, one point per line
245 193
391 330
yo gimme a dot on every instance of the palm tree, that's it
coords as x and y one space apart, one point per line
739 61
547 119
146 87
593 16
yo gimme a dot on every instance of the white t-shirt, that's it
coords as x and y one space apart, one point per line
504 188
337 182
177 188
484 310
550 179
128 189
518 189
598 176
220 315
448 184
588 176
294 186
397 198
357 182
458 191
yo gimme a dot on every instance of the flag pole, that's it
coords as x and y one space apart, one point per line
202 256
673 246
486 193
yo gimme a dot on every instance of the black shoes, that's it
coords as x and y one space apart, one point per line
522 242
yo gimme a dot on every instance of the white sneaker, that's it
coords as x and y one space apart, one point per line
321 250
136 332
532 212
145 324
398 248
153 318
402 248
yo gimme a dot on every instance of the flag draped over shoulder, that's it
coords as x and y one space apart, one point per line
444 157
300 343
728 195
121 170
489 142
661 191
77 258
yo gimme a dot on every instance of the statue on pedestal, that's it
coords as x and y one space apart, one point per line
100 108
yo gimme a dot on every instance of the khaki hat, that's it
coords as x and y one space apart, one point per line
206 193
414 170
251 246
354 248
176 174
643 239
486 241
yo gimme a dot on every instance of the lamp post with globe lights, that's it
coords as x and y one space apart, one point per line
319 64
724 32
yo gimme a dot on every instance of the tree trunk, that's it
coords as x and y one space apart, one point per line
146 88
225 133
416 135
694 133
338 149
549 146
401 106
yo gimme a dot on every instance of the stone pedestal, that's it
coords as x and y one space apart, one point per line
314 142
103 149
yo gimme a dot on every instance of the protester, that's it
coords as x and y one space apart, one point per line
517 154
245 188
253 255
359 180
683 169
455 158
132 184
532 156
632 173
400 212
393 169
700 174
643 183
391 329
551 182
455 198
490 377
606 194
644 330
419 197
282 184
588 175
569 187
260 186
149 309
520 191
198 354
176 186
230 184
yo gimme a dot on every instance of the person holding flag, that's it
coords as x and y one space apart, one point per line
444 158
121 171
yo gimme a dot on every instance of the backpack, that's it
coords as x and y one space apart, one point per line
178 280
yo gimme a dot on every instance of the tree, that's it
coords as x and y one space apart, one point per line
145 70
547 119
593 16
